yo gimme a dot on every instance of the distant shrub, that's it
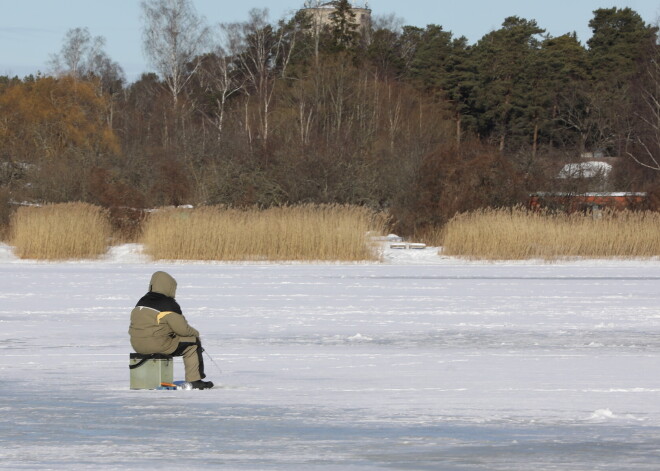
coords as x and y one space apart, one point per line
60 231
126 224
277 234
519 234
5 212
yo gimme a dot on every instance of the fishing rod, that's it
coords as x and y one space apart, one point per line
212 360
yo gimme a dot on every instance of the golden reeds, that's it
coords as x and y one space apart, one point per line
432 236
300 233
60 231
519 234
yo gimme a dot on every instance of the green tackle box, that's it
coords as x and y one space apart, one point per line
149 371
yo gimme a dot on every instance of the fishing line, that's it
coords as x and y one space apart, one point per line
212 360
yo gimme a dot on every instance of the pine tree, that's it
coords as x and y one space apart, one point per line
343 26
617 50
503 62
564 87
620 38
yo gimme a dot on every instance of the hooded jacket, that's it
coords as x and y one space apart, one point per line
157 321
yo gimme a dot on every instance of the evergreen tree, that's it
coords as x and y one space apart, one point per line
564 68
618 51
438 65
503 61
343 26
458 74
620 39
385 53
432 52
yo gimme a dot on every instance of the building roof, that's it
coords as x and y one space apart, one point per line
606 194
585 170
331 5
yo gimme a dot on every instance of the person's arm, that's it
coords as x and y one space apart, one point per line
180 326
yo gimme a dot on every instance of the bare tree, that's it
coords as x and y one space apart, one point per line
220 78
77 48
644 137
174 38
83 56
262 53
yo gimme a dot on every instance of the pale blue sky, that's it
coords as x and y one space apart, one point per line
32 30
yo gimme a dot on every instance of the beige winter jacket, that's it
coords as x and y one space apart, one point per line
157 323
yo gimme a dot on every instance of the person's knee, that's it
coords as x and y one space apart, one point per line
190 350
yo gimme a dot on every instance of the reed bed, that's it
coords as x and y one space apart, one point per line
432 236
519 234
60 231
300 233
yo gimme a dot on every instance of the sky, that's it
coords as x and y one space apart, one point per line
31 31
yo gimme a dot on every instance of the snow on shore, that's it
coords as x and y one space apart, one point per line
418 362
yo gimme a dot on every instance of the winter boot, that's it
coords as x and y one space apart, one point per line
199 384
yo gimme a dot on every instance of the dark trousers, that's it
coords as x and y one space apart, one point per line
193 361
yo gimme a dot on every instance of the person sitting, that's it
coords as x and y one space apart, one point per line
158 326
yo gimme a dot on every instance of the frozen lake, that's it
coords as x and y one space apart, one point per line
418 363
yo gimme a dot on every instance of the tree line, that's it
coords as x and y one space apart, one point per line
413 121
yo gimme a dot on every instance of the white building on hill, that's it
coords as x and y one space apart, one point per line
321 11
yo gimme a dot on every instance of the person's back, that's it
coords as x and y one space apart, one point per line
159 326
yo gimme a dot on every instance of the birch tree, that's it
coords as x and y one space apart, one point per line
262 53
82 57
174 38
643 136
78 49
219 81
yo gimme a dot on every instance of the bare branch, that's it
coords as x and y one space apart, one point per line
174 37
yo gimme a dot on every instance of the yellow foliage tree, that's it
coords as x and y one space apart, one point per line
48 118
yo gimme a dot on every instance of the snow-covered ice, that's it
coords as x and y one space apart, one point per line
419 362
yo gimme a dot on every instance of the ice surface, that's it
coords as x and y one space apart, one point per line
420 362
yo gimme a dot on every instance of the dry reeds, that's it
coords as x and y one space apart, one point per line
60 231
301 233
519 234
432 236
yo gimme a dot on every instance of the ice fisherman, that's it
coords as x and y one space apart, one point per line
158 326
